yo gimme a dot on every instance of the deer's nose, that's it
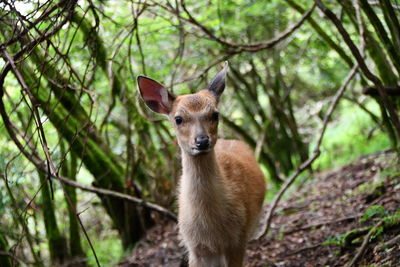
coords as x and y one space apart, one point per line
202 142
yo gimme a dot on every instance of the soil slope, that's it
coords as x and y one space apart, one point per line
319 225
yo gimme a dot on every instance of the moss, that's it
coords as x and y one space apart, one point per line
97 157
57 243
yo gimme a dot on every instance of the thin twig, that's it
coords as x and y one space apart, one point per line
363 65
39 163
249 47
35 110
48 168
45 15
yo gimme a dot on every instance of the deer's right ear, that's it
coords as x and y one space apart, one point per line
156 97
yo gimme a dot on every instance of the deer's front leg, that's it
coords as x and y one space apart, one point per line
201 259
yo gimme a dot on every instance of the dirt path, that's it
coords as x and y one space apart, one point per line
326 209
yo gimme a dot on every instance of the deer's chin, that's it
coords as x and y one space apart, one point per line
195 151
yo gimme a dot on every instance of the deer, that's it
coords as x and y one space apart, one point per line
222 188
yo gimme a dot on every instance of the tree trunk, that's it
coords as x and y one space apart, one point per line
57 243
86 142
69 169
75 126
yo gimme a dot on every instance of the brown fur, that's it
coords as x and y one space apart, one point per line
221 192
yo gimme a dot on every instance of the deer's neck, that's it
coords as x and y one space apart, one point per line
201 179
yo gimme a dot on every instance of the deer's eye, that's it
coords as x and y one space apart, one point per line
215 116
178 120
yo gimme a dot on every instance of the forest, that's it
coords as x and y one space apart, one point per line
89 174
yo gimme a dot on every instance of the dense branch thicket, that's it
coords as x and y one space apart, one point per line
70 107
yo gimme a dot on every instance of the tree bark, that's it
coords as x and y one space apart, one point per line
56 242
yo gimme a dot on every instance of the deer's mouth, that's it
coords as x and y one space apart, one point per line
198 151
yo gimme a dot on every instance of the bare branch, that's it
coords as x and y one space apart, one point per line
49 168
363 66
249 47
40 164
42 17
305 165
111 193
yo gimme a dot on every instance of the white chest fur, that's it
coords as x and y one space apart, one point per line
206 219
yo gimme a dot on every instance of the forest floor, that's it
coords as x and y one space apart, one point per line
323 223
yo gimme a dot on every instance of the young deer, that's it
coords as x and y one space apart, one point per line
222 187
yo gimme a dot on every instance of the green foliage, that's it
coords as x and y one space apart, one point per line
392 220
346 239
389 221
347 139
357 235
108 249
373 211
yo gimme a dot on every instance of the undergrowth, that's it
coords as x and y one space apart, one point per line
381 220
352 135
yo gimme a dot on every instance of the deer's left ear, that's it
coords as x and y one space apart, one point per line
155 95
217 85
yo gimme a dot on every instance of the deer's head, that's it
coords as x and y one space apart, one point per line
194 116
